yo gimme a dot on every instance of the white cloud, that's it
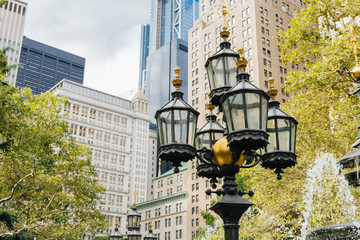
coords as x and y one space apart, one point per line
83 27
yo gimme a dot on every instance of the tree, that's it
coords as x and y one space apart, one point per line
46 178
327 112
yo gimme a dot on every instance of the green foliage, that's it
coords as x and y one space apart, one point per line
101 238
46 178
209 218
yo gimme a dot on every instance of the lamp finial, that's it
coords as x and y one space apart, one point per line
272 92
150 226
242 63
135 195
177 82
210 107
224 33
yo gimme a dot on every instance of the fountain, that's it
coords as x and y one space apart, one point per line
328 199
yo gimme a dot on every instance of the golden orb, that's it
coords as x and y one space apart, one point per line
223 155
355 72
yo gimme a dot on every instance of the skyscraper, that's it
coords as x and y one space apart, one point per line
145 49
170 23
43 66
253 26
12 15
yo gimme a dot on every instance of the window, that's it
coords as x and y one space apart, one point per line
265 73
248 11
262 20
243 13
261 10
245 44
243 23
248 20
264 61
249 41
266 12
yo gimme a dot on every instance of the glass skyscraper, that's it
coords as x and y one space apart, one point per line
171 19
43 66
169 25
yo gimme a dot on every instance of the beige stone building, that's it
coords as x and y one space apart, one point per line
253 25
168 210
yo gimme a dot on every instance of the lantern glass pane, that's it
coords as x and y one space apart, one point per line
253 110
236 108
293 137
218 73
180 126
271 130
130 221
216 136
264 112
232 70
165 128
284 134
205 140
192 128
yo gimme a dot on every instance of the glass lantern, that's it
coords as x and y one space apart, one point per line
222 71
280 153
245 108
133 219
209 133
116 235
176 123
134 235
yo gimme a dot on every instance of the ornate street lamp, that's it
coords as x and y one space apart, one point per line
350 162
176 123
133 221
222 153
280 153
116 235
245 108
150 235
206 137
221 67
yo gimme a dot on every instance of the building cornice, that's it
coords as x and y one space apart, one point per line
162 200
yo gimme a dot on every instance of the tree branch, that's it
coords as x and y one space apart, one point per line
14 187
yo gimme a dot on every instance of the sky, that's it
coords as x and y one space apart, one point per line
84 28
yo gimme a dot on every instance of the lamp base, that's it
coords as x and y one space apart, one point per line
177 153
248 140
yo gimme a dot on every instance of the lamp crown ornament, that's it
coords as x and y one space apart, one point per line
210 107
135 195
224 33
177 82
242 62
272 92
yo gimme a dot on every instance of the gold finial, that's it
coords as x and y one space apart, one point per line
116 222
242 63
355 72
224 33
177 82
210 107
159 161
135 195
135 221
272 92
150 226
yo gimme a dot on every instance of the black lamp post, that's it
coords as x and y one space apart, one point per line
116 235
133 221
249 123
350 162
150 235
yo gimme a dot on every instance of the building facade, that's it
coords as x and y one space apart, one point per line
12 15
168 210
117 132
43 66
253 26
